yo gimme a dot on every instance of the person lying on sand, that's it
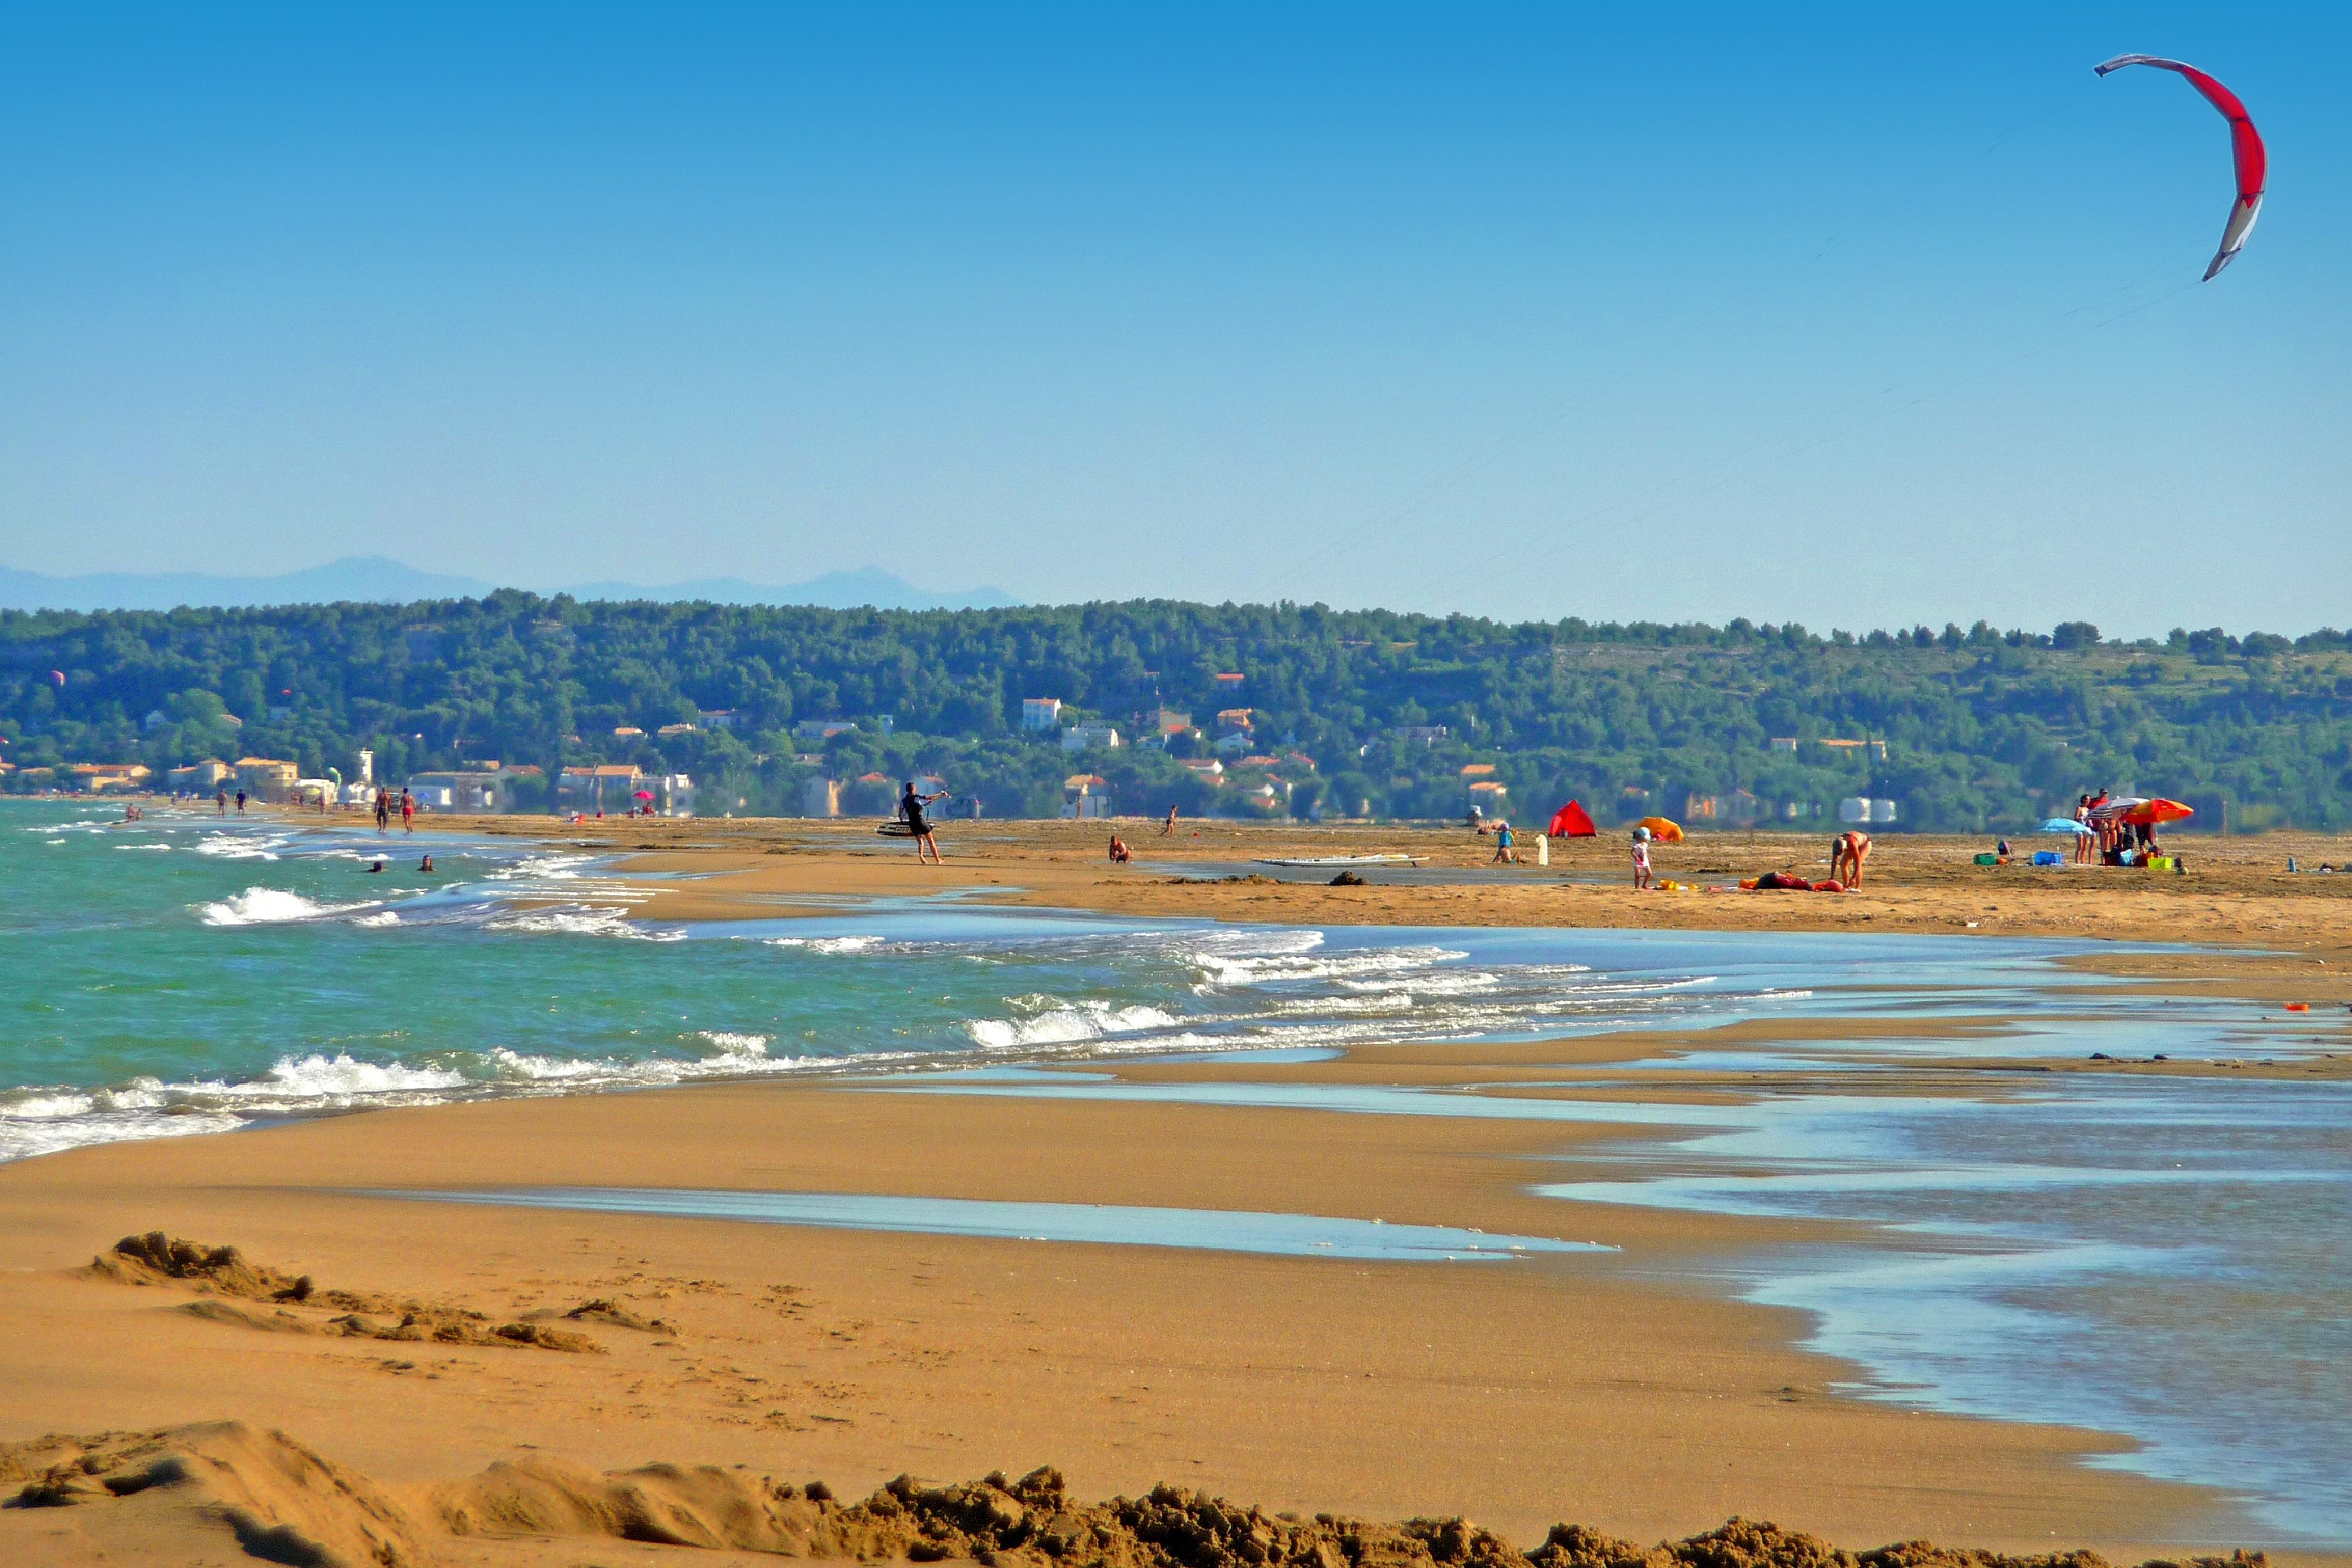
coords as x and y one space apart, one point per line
1847 851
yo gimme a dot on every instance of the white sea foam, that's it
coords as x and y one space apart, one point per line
241 846
333 1081
830 945
554 867
1065 1024
582 923
165 847
1287 958
381 918
269 906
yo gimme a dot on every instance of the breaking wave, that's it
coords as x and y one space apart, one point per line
269 906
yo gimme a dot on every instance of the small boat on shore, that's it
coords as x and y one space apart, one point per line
1331 861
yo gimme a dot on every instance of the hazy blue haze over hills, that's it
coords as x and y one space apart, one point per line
377 579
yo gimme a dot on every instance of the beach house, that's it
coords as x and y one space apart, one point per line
266 778
601 787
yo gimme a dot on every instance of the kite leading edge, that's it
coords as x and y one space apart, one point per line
2251 159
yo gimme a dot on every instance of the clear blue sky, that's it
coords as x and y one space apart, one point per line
1860 316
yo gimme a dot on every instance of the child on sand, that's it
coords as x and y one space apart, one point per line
1641 857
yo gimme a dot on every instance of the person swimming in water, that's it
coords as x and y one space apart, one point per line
425 864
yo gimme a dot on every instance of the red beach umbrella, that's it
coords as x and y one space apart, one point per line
2149 813
644 794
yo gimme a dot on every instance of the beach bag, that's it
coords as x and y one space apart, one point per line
2048 857
1988 859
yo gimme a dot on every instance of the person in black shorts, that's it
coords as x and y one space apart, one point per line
918 824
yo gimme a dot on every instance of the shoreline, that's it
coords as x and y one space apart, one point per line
1299 1382
1563 1389
2237 892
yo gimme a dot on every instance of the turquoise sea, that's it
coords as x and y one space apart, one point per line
2159 1257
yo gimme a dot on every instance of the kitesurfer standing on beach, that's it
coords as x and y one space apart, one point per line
918 824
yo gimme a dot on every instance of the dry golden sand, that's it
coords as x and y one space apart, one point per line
2237 891
1519 1394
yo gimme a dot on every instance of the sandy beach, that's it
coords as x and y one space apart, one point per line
1519 1394
2290 933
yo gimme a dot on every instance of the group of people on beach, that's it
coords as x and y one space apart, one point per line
386 806
2109 838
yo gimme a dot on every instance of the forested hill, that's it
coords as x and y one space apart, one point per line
1982 729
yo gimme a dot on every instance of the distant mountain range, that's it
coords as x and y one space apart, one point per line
376 579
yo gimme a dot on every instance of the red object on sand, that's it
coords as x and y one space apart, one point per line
644 794
1574 822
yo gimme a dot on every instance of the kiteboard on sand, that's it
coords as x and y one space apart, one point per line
898 829
1311 861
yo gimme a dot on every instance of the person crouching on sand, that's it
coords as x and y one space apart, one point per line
1847 851
1120 854
1641 857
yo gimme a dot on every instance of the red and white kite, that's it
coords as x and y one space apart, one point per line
2253 161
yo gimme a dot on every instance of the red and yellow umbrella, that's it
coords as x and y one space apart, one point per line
2149 813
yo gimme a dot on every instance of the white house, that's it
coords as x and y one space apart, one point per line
1081 737
1086 796
1041 713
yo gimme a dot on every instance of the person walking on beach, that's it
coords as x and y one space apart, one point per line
1847 851
1641 857
407 812
918 824
1503 855
383 808
220 801
240 802
1167 828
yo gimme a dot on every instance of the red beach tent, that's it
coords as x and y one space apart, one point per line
1574 822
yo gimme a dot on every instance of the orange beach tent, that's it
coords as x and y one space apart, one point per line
1662 828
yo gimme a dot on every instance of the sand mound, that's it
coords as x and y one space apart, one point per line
297 1306
209 1492
192 1493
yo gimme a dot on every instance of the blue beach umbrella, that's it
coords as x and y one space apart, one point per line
2065 825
